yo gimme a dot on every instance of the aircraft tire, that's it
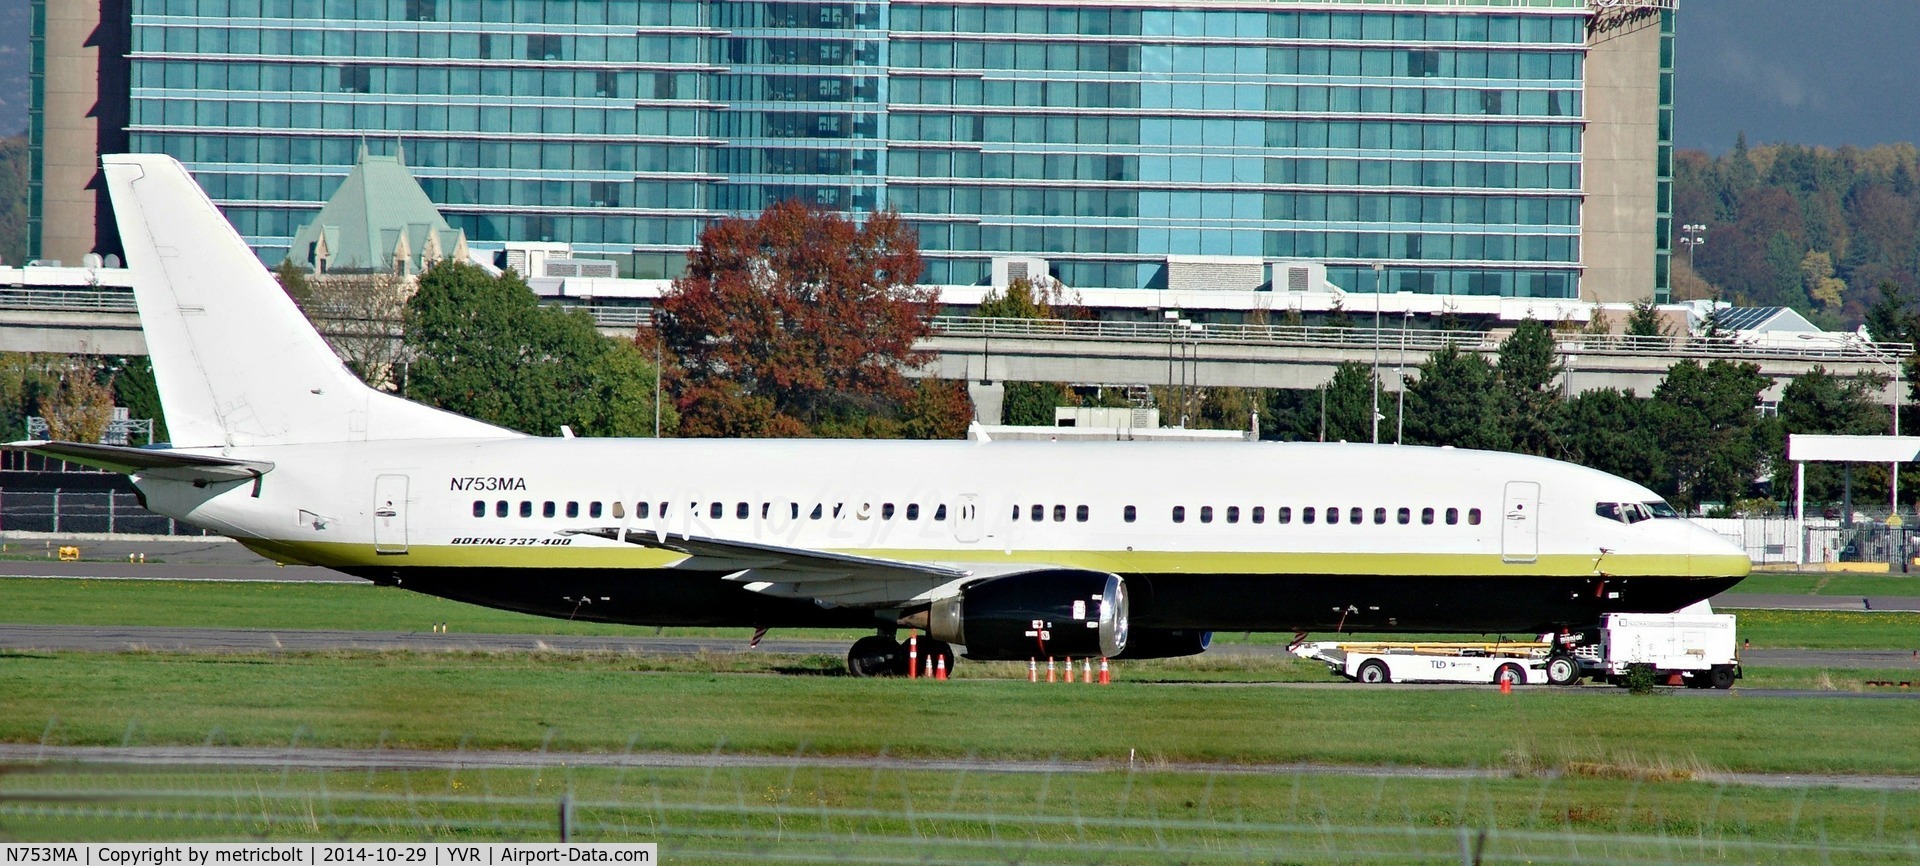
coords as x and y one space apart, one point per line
1372 671
1563 670
876 656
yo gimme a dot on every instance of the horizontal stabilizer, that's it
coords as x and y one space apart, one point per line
150 462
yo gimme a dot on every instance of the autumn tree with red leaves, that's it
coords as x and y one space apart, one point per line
800 322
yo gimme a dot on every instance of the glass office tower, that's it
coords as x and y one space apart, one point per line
1441 140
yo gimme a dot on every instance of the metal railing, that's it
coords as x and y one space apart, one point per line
67 300
91 511
1321 336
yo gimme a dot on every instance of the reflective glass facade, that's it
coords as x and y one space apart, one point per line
1441 139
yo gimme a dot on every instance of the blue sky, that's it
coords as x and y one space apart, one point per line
1821 73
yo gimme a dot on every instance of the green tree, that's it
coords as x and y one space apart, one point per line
135 388
1644 321
1607 429
1350 405
1530 403
1453 399
1715 441
484 347
1819 402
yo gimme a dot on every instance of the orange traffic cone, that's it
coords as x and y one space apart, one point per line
913 657
940 667
1033 671
1050 669
929 664
1086 671
1506 686
1069 668
1105 678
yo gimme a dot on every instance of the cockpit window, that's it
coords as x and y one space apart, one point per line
1627 512
1662 510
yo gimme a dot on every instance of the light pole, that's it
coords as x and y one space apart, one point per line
1173 322
1378 269
1400 409
1692 235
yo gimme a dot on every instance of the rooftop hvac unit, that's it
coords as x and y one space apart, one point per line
591 268
1299 276
1008 269
529 258
1215 273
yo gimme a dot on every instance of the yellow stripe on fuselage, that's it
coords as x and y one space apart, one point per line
1119 562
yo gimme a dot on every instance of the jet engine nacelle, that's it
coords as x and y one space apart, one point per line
1057 612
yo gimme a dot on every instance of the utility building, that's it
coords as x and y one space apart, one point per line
1487 147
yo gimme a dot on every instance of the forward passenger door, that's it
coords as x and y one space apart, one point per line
1520 523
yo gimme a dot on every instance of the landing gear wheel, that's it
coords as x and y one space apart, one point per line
1722 676
1509 674
1563 670
931 652
1372 671
876 655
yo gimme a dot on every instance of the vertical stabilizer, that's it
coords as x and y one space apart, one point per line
236 362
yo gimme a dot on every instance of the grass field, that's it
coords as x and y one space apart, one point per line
810 814
1838 584
607 703
373 608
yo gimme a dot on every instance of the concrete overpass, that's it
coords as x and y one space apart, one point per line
99 318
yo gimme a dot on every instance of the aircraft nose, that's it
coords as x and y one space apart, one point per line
1711 554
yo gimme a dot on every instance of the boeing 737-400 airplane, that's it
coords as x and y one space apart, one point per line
1010 549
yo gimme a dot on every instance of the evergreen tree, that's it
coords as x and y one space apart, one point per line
1529 399
1453 399
1819 402
1716 443
1607 430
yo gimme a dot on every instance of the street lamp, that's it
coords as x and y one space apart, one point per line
1378 269
1400 410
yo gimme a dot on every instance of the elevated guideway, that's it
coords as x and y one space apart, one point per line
91 311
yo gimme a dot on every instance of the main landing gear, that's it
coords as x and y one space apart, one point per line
881 655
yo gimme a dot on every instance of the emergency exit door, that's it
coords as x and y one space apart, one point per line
390 514
1520 523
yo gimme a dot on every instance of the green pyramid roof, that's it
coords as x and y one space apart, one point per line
363 225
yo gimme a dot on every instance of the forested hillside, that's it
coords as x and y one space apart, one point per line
1810 228
13 199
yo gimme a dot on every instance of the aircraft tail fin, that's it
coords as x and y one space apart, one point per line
237 363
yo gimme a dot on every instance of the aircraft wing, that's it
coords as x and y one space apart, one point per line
796 572
155 462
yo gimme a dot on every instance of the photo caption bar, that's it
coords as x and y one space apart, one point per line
328 854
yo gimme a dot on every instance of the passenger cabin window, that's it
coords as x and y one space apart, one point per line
1453 516
642 510
1039 513
1259 514
479 508
742 510
1473 517
1128 514
1059 514
940 512
1233 514
1179 514
1406 515
886 511
619 511
1379 515
913 511
573 509
526 508
1333 515
1080 514
1306 514
818 512
593 509
1356 514
500 508
1206 514
546 509
1283 514
1426 517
